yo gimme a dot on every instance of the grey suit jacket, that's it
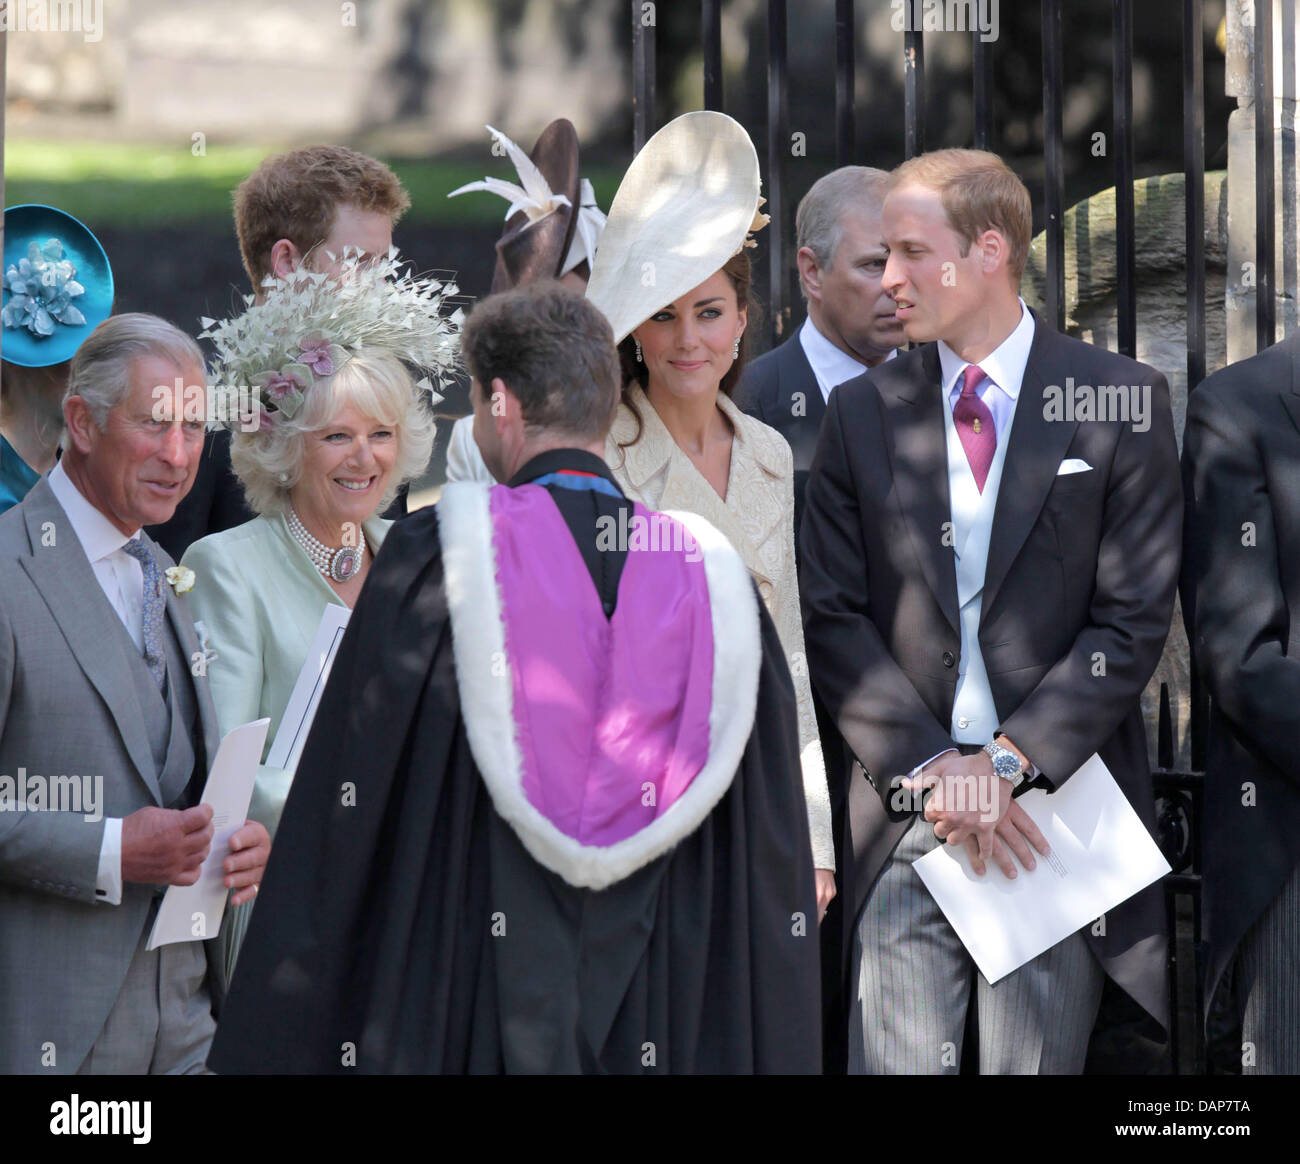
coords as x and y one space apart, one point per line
66 707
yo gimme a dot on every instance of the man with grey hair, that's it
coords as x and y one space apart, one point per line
851 325
583 844
102 676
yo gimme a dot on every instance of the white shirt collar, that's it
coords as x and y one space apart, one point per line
98 536
1005 365
830 364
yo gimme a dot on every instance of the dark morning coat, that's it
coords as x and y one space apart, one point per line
1080 566
780 389
1241 603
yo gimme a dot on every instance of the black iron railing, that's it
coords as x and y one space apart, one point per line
1178 792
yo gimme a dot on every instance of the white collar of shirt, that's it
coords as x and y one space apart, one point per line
830 365
98 536
1004 366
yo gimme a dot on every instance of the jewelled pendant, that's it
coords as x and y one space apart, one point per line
977 424
345 563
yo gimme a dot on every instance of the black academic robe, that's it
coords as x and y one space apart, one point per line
402 926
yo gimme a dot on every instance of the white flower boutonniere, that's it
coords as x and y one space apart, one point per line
180 578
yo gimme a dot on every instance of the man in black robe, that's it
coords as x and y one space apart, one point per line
621 883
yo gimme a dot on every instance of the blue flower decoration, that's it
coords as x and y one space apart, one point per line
42 287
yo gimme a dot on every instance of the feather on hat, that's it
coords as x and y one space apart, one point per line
553 222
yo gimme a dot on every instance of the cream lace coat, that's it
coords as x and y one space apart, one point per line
758 519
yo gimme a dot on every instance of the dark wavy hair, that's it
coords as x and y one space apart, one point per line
740 274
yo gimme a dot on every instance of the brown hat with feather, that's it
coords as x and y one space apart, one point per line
553 222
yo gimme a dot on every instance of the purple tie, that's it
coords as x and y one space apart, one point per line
974 424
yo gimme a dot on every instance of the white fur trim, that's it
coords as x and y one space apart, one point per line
487 693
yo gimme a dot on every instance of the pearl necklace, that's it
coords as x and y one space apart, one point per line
340 564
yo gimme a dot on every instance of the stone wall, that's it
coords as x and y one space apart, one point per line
1091 314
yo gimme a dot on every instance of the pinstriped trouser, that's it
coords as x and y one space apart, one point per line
1269 985
914 985
161 1023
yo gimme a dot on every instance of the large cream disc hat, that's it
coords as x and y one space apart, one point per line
683 209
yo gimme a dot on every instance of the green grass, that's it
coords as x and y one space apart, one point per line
133 185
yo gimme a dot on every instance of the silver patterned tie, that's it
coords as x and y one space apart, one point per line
154 605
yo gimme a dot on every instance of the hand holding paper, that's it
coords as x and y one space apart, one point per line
1101 854
250 849
970 805
193 912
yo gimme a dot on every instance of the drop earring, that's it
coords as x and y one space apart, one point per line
637 344
735 351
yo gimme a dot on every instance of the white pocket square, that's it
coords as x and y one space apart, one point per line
1073 465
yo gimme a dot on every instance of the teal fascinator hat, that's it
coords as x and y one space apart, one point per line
58 286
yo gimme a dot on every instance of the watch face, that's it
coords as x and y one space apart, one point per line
1005 763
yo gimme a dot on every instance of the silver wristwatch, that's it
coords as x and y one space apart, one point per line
1005 763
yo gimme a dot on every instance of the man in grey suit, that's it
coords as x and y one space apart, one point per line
107 730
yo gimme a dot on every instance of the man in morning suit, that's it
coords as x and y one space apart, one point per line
1241 593
851 325
988 582
97 682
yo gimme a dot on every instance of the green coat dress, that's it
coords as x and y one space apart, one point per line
259 599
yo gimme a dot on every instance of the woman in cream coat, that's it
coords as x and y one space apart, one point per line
316 483
682 213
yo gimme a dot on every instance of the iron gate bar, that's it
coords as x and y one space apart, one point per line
711 37
643 78
1289 235
982 89
1194 203
778 143
844 121
913 91
1194 193
1125 242
1054 176
1265 313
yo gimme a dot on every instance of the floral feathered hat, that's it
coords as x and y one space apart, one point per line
310 323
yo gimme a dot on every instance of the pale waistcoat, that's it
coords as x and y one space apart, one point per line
974 717
171 720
